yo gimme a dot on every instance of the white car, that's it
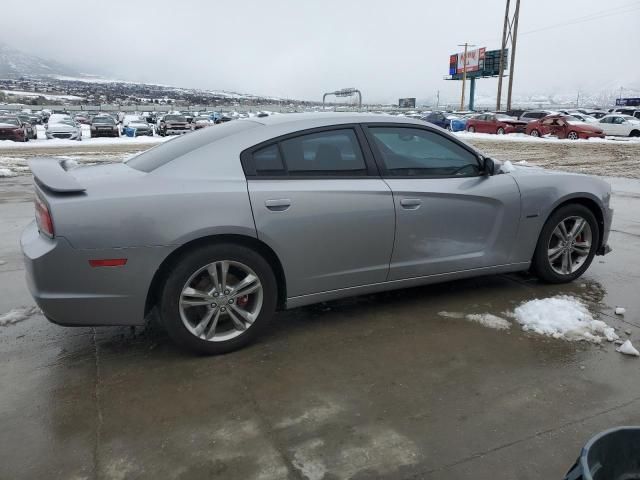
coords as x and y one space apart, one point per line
621 125
62 126
139 125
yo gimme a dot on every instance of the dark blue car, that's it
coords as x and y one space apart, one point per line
437 118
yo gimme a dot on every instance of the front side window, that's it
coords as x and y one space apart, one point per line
416 152
334 152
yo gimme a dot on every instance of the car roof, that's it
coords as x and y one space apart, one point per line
301 121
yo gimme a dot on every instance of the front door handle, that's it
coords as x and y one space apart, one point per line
410 203
278 204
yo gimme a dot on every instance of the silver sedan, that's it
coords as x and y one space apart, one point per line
220 228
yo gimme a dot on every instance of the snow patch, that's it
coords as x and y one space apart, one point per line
451 314
507 167
485 319
563 317
5 172
17 315
490 321
620 310
628 349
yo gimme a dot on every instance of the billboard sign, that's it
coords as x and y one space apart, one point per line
474 61
627 102
407 103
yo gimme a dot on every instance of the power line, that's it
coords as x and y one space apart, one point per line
621 10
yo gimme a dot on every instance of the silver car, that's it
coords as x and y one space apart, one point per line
63 126
218 229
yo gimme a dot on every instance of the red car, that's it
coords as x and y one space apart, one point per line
563 126
498 123
11 128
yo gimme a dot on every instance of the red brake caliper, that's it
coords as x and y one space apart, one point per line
243 300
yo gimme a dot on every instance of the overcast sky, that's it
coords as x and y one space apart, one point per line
300 49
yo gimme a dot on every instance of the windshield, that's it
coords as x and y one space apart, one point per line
104 120
174 118
136 118
9 121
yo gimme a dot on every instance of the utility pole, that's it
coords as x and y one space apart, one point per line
509 35
503 45
578 100
464 72
514 40
437 99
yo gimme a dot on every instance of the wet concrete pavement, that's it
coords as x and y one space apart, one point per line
378 386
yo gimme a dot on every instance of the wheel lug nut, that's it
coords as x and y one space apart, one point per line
231 300
213 305
226 292
215 294
222 309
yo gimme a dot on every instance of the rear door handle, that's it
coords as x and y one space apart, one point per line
410 203
278 204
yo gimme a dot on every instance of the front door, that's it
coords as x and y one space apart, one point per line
449 217
319 203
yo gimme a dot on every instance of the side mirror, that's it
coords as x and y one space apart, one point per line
488 166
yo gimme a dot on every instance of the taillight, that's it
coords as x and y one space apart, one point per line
43 218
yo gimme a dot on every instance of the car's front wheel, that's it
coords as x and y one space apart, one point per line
534 133
218 298
573 135
500 131
567 244
471 129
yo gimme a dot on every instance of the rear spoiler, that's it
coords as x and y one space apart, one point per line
50 173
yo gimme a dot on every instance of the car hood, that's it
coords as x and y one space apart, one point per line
9 126
62 127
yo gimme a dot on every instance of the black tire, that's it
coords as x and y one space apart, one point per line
190 262
500 131
635 133
471 129
541 266
573 135
534 133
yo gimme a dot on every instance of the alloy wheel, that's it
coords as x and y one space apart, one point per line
572 136
535 133
569 245
220 301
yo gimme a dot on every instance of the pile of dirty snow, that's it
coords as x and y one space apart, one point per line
5 172
562 317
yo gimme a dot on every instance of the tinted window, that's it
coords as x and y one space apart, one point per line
606 120
267 161
415 152
334 152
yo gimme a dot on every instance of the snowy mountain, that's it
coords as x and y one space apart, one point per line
14 63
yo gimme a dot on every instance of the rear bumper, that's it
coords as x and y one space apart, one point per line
71 292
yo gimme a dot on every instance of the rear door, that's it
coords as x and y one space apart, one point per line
320 203
449 217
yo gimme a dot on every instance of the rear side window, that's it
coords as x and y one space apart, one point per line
326 153
268 161
333 152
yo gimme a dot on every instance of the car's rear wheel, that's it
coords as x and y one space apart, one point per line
500 131
567 244
573 135
635 133
471 129
534 133
218 298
